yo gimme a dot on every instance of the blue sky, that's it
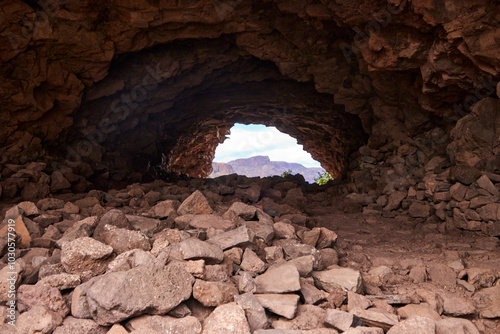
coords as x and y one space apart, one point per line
246 141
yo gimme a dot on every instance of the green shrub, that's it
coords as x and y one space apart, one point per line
286 173
323 178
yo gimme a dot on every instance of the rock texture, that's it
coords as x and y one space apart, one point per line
294 275
117 92
111 110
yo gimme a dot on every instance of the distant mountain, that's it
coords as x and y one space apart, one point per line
262 166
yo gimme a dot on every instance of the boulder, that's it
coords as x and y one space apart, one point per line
420 325
85 255
213 293
278 279
164 324
117 296
255 313
284 305
196 203
226 319
344 278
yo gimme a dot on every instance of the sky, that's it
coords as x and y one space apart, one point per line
246 141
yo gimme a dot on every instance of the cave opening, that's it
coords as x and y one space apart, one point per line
263 150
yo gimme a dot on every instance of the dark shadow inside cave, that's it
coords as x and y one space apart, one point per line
167 108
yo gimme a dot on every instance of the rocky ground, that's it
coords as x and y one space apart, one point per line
249 255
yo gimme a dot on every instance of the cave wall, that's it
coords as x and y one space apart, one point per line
112 90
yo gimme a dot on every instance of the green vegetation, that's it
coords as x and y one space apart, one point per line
323 178
286 173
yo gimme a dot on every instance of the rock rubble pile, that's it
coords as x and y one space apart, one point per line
229 255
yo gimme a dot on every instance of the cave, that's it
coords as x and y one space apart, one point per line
158 84
111 112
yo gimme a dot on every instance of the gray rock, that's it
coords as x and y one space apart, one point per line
279 279
61 281
237 237
196 203
261 230
308 317
478 202
143 224
296 250
113 217
252 263
73 233
246 283
278 331
485 183
304 264
85 255
204 222
213 293
327 238
38 319
226 319
195 249
251 193
490 212
29 208
284 230
377 318
131 259
364 330
419 210
456 305
256 315
458 191
124 240
29 296
50 204
280 304
164 209
117 296
340 320
310 293
418 310
58 181
72 325
488 302
357 301
79 304
245 211
417 324
442 275
455 326
344 278
394 200
164 324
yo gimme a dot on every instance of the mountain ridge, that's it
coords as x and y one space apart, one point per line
262 166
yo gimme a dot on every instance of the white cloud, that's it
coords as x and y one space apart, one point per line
250 140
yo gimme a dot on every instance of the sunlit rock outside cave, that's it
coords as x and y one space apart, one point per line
112 117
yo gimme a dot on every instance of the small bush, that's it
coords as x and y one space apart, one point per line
286 173
323 178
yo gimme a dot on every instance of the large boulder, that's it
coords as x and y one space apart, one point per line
117 296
